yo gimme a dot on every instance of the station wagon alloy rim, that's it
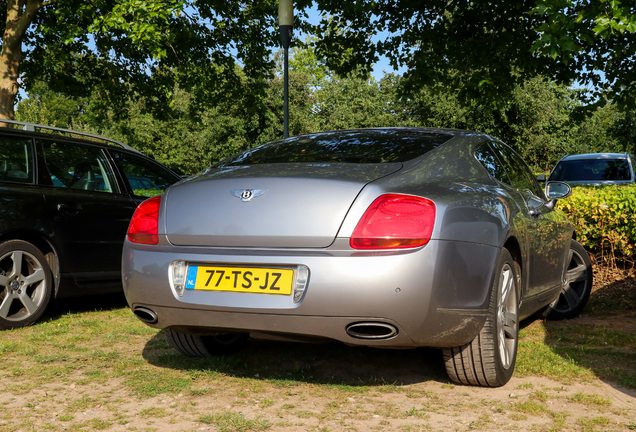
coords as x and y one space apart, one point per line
22 281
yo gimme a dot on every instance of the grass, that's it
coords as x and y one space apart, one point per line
593 424
564 351
229 422
536 357
90 360
590 400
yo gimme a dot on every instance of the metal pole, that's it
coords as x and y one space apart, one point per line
286 96
286 25
285 37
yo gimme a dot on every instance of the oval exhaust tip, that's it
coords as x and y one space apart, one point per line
371 330
146 315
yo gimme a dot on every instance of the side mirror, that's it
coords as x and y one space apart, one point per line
541 178
556 190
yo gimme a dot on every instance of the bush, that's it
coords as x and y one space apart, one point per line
604 219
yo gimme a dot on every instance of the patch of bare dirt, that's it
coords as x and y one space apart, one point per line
614 281
427 405
422 399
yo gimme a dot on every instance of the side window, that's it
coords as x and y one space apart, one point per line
16 160
485 155
74 166
145 177
519 174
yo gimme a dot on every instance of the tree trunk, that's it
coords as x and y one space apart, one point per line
19 18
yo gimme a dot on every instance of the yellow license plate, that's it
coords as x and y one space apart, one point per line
240 279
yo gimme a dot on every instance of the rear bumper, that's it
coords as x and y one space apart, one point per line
435 296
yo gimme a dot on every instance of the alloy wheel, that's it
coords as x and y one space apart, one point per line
575 286
22 286
507 317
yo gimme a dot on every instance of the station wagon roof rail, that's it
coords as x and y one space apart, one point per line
33 128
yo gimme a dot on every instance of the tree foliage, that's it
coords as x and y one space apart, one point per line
120 48
486 48
47 107
597 38
145 48
539 118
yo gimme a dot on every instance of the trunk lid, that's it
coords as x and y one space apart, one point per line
292 205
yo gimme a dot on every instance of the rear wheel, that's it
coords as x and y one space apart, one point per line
25 284
489 359
206 346
577 286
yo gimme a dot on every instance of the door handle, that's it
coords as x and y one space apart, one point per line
69 208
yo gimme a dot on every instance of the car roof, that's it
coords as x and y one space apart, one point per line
595 156
32 128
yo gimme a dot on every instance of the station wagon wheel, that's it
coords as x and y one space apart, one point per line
577 286
490 358
25 284
206 346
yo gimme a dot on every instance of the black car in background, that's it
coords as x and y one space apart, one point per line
66 199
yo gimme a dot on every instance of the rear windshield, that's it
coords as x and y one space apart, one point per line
592 169
369 146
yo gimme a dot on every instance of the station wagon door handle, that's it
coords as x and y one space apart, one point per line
69 208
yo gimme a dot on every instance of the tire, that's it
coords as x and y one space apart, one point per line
193 345
489 360
577 287
26 284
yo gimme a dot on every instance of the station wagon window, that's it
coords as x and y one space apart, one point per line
73 166
145 177
492 164
16 160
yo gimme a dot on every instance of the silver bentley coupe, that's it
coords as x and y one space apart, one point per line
388 238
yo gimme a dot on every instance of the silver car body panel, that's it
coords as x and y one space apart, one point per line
435 295
353 286
296 197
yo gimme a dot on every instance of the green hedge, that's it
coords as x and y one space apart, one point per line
148 192
605 219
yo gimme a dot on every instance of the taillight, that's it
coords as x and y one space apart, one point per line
394 222
144 225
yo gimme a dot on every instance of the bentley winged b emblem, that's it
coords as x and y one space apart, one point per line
247 194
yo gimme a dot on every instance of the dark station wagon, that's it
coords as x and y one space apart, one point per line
66 199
